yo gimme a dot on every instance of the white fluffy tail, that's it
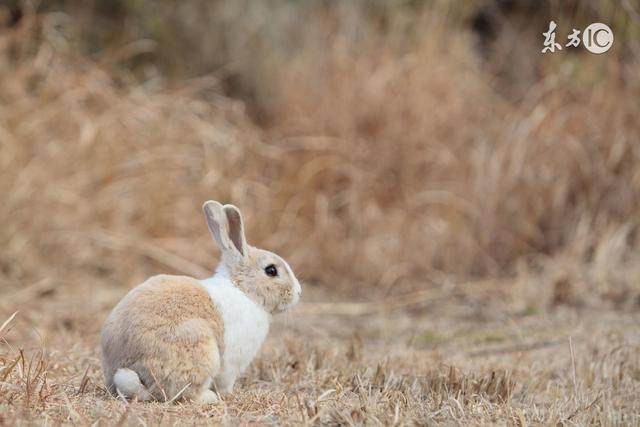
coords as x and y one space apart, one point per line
128 384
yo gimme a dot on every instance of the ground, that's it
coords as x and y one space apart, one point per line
463 355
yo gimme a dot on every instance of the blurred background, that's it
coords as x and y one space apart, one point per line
379 146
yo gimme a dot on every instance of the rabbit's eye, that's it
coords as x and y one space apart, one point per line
271 270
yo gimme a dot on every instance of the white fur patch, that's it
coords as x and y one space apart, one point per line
246 325
128 384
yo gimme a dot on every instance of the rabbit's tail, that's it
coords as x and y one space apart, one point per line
128 384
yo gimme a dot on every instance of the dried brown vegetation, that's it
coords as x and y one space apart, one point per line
441 365
386 165
382 166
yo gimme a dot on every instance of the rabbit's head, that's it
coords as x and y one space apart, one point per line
263 276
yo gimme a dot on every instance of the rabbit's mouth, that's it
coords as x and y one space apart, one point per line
294 298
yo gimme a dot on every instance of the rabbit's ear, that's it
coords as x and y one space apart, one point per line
218 226
236 228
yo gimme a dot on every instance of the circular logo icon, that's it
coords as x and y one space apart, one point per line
597 38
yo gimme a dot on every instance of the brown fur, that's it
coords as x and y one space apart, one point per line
169 332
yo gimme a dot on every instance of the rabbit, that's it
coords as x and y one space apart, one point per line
179 338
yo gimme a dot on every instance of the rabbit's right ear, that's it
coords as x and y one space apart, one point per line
219 226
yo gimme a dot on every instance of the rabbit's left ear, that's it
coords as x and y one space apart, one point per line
225 224
236 228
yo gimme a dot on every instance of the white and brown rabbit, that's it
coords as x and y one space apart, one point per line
176 336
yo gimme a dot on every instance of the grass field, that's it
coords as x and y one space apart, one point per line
443 356
463 212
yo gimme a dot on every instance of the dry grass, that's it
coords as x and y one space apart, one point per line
390 170
468 360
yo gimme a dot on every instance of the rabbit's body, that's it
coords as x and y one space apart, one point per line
177 337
